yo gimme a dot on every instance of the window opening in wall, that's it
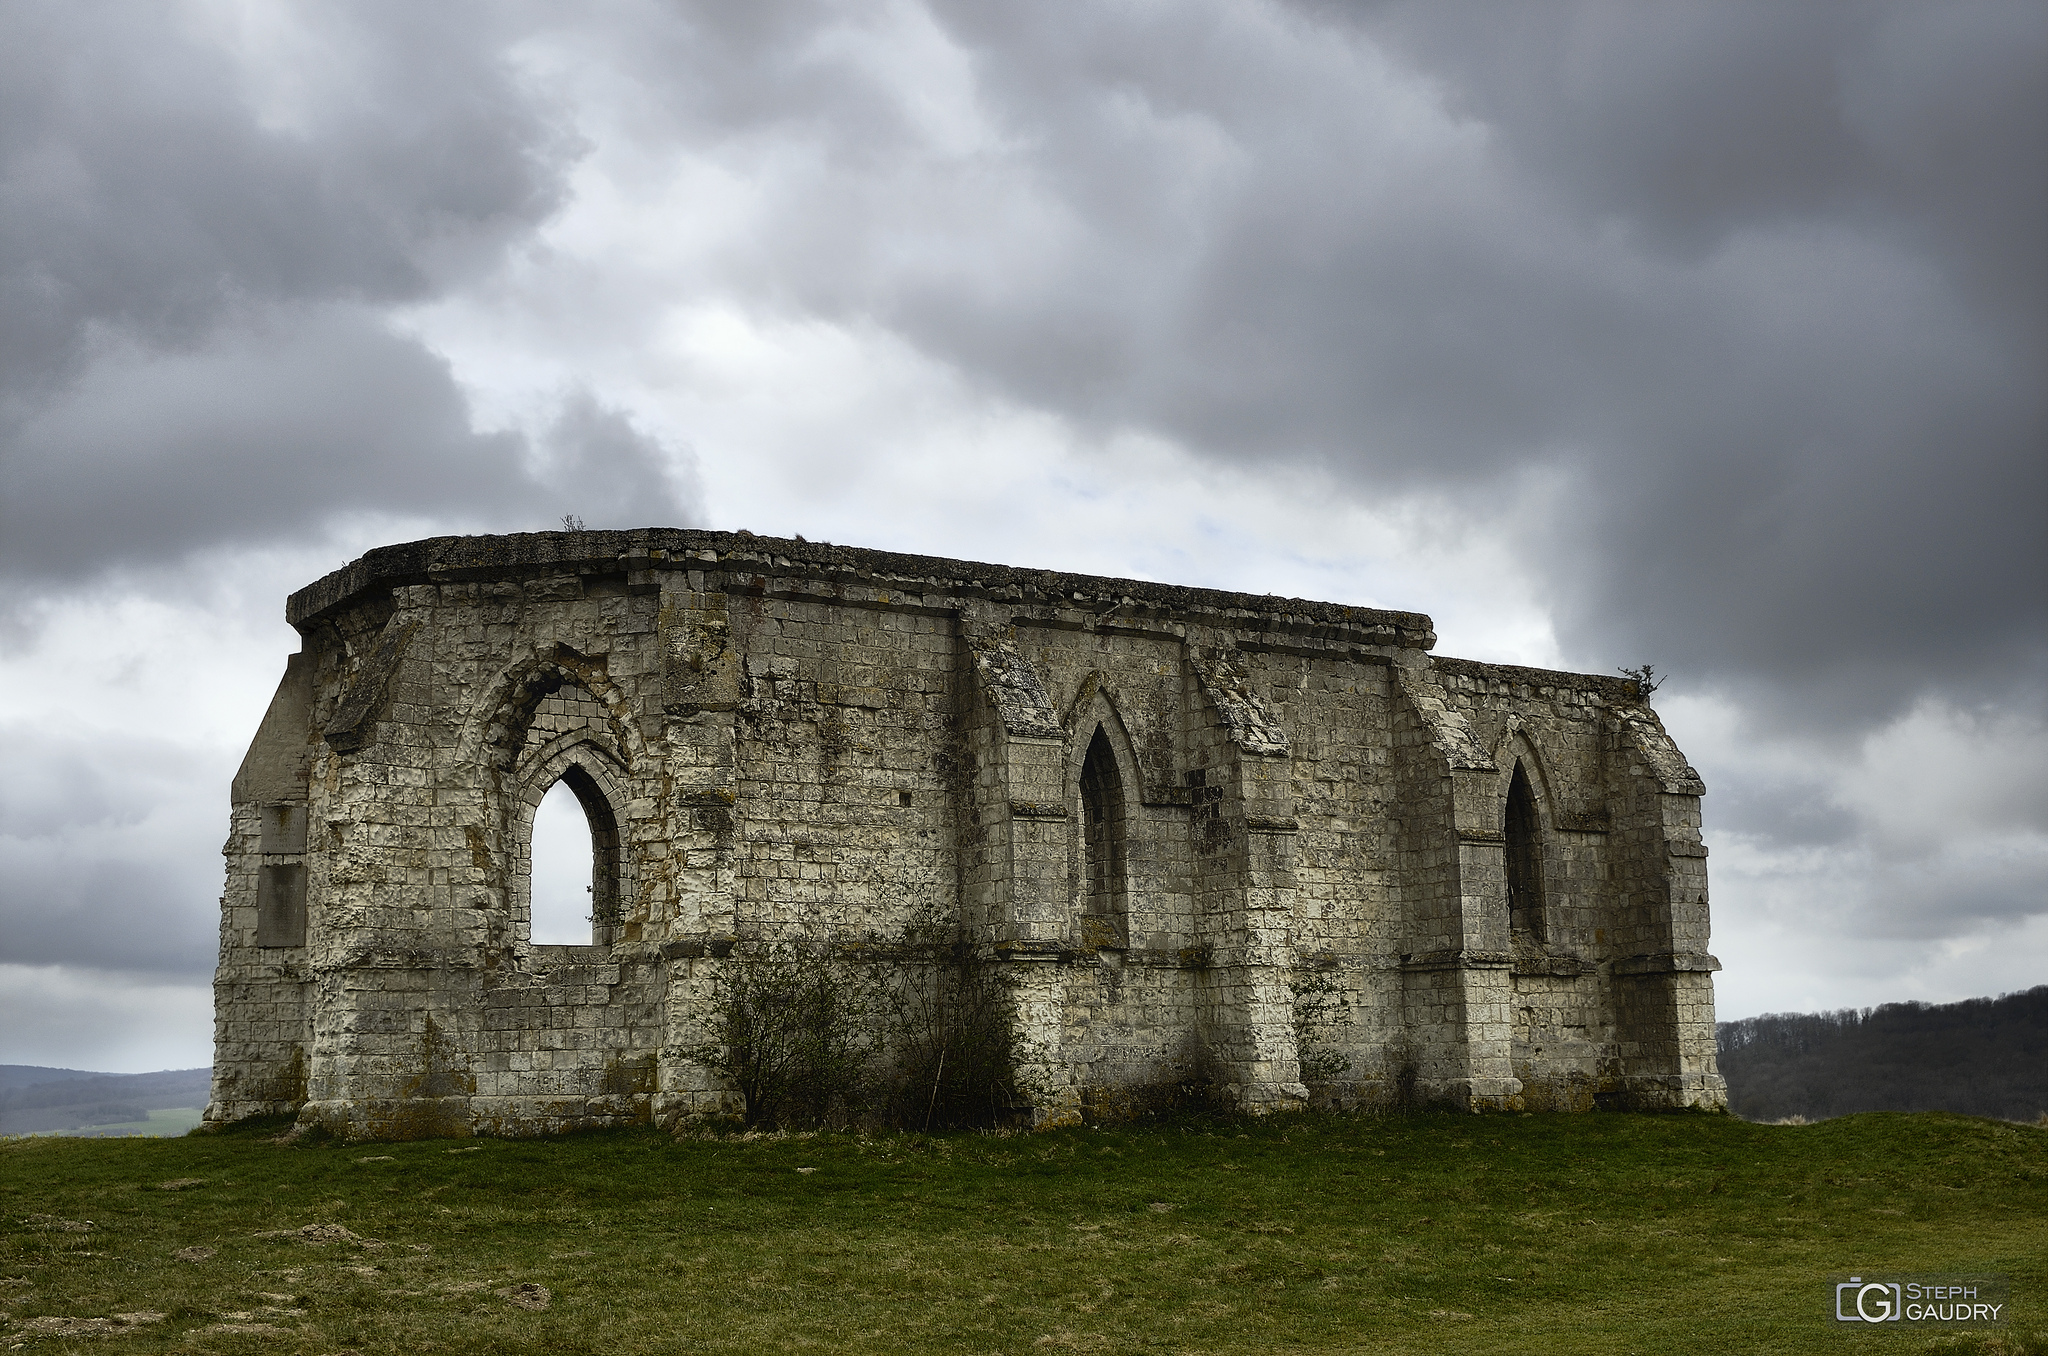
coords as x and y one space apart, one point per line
1102 845
563 870
1525 858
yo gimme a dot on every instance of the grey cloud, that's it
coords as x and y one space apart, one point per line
94 868
195 272
62 784
1783 812
121 913
1913 121
280 424
607 471
143 193
1955 895
86 1017
257 436
1843 472
1763 283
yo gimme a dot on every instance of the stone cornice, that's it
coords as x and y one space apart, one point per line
642 550
1617 690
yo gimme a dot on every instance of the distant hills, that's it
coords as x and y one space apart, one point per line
35 1099
1981 1057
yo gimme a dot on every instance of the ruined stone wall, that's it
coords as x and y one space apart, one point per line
1210 837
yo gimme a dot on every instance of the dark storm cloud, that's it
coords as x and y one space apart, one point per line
1919 122
1767 281
272 425
1759 288
195 259
143 193
1854 475
281 422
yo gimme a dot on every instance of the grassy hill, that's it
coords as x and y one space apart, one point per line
1981 1057
1445 1234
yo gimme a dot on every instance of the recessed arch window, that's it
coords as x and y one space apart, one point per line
1524 858
563 876
1104 880
572 864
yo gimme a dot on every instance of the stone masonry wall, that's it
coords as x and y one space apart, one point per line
1290 884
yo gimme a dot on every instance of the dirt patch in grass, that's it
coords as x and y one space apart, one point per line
51 1325
53 1225
530 1297
320 1235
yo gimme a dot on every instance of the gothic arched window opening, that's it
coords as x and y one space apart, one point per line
1524 859
573 859
1105 915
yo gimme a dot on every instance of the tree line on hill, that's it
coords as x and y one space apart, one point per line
1981 1057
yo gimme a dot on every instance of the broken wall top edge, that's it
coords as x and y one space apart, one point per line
1614 689
535 553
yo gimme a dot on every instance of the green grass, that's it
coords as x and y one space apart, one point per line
1440 1234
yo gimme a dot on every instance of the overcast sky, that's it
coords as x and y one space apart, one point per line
1711 336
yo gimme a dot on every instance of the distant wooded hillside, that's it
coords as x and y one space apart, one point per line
1981 1057
71 1099
24 1075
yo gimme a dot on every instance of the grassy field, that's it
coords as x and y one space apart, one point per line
1440 1234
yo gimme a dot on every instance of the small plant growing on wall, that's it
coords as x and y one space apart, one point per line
1644 677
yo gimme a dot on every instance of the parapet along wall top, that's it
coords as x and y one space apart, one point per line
1267 846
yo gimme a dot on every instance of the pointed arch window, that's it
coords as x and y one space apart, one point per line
1524 859
1104 880
573 865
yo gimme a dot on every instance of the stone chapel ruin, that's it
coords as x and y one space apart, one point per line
1164 813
